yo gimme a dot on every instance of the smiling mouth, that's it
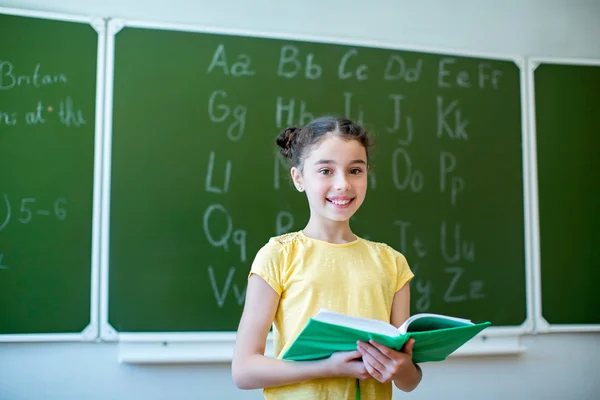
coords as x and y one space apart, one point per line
340 203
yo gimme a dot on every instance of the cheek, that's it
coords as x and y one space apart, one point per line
360 186
316 189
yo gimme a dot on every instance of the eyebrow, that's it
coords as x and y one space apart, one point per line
357 161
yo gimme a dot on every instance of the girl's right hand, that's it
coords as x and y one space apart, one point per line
347 364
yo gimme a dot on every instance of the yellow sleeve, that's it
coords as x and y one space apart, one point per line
268 264
403 272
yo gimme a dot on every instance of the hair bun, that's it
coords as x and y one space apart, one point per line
286 139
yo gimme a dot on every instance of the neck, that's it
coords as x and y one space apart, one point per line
337 232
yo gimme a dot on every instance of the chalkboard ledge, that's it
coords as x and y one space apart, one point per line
542 326
218 348
175 349
89 334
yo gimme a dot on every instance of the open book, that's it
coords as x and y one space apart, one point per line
436 336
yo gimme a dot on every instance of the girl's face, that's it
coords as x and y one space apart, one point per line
334 177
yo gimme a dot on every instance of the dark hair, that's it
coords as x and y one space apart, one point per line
294 142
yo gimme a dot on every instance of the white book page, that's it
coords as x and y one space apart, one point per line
404 327
364 324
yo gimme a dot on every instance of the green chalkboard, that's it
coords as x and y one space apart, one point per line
567 98
197 186
47 131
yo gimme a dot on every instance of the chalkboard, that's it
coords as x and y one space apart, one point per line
47 135
567 98
197 187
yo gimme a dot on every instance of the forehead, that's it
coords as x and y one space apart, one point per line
335 148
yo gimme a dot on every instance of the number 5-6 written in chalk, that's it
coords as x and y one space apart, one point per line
28 208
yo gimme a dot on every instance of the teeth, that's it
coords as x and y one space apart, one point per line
340 202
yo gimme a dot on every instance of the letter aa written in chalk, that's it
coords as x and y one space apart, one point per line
241 67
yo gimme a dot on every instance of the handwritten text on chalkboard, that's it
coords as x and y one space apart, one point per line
27 211
67 115
10 78
452 124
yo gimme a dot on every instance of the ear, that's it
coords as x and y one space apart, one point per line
297 179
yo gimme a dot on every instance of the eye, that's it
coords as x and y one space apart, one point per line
325 171
355 171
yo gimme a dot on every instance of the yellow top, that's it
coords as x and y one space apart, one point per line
358 278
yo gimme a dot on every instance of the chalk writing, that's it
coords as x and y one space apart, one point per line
238 236
239 68
456 130
284 222
451 76
396 69
8 118
221 112
485 76
452 295
69 115
397 98
8 212
28 207
221 294
360 72
10 79
449 297
461 249
280 167
210 173
423 295
413 179
457 183
34 118
360 117
289 64
289 108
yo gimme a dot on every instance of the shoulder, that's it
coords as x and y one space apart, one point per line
287 239
396 261
282 244
383 248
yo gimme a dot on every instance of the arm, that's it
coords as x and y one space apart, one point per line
252 370
400 313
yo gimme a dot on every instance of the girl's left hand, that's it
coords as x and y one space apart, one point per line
386 364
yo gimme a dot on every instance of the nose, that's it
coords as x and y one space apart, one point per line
342 182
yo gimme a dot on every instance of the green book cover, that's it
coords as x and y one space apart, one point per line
436 336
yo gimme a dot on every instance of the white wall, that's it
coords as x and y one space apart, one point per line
531 27
558 366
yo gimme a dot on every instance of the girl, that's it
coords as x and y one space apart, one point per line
325 266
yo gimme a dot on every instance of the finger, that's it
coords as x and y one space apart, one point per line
371 369
386 351
408 347
366 348
374 362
